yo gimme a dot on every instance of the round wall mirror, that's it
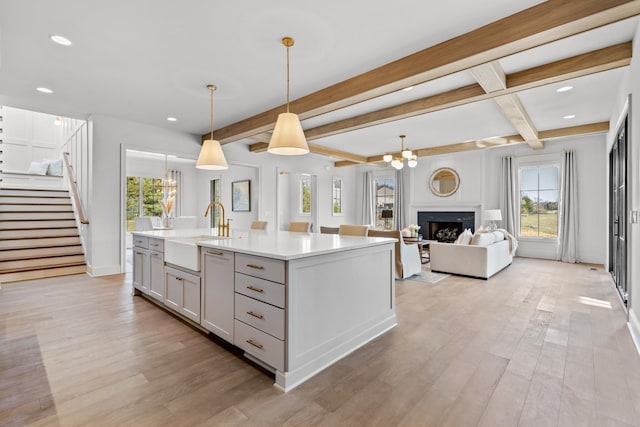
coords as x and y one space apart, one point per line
444 182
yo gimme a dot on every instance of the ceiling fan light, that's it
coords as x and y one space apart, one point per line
211 156
288 138
387 158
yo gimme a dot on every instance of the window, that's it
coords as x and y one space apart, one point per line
539 201
143 198
384 197
305 195
336 197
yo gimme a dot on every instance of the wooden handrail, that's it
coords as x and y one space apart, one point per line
74 189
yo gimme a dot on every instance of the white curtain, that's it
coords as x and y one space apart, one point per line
398 202
176 176
509 195
368 209
569 210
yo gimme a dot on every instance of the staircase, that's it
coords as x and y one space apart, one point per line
38 235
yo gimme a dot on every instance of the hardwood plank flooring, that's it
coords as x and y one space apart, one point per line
540 344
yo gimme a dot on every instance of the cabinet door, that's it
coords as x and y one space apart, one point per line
173 289
218 292
190 296
156 275
141 269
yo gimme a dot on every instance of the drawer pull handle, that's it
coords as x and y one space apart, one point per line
215 253
257 267
253 288
155 244
256 315
155 254
255 344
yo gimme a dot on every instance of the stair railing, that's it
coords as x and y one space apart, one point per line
75 194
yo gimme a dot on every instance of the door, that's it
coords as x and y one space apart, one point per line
156 275
618 211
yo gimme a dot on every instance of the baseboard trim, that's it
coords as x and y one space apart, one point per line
634 328
108 270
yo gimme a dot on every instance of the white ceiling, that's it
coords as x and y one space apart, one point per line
150 59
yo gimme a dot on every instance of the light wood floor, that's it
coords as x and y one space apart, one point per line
540 344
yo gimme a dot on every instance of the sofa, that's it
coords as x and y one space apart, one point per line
483 257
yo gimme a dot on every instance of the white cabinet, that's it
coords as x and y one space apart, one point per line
259 308
218 292
183 293
141 269
156 275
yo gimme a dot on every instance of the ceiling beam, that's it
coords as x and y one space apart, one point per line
543 23
501 141
492 78
607 58
317 149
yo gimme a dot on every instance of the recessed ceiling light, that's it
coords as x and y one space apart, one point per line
44 90
570 116
172 119
407 89
564 89
61 40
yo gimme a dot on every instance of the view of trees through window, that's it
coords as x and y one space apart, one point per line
384 196
539 201
336 197
305 195
143 198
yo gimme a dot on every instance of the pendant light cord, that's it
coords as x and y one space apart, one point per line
212 88
287 79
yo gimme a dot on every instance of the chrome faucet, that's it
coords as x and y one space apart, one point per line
223 229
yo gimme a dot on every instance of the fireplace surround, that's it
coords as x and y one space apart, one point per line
445 226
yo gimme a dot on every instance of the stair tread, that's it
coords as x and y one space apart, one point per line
41 274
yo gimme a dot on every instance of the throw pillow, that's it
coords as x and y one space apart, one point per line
38 168
483 239
465 237
55 168
499 235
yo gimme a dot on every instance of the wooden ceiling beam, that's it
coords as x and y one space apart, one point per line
501 141
492 78
543 23
317 149
607 58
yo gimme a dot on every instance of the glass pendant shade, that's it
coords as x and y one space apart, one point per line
407 154
288 138
397 164
413 161
211 156
387 158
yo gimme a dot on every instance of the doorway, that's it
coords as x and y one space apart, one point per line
297 194
618 210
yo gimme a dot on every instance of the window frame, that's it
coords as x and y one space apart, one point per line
304 178
537 164
336 199
388 176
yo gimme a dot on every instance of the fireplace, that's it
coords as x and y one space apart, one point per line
445 226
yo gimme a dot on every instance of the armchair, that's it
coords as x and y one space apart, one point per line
407 255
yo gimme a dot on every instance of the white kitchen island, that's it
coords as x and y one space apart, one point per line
294 302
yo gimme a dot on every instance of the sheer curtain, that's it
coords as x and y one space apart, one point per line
176 176
368 213
569 210
398 202
509 195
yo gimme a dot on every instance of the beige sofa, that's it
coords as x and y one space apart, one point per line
470 260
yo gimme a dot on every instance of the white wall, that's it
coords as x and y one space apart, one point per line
631 85
28 136
108 136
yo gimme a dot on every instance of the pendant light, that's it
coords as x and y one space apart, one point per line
211 156
288 138
398 162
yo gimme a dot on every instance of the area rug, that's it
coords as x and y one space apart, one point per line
428 276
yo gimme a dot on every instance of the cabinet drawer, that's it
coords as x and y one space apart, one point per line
263 290
264 268
263 346
260 315
156 244
141 241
